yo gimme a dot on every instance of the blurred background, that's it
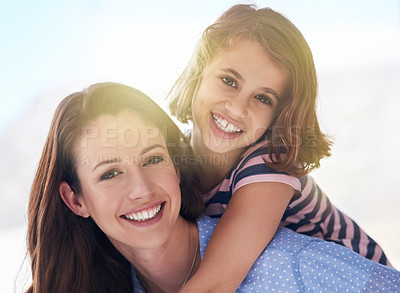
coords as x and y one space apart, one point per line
50 49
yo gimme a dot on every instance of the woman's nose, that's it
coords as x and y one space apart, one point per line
237 107
140 185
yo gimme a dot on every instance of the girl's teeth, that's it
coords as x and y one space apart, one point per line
224 125
144 215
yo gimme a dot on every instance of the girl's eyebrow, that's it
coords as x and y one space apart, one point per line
272 92
233 72
237 75
118 160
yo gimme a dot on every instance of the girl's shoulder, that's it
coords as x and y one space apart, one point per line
255 166
257 158
254 154
259 148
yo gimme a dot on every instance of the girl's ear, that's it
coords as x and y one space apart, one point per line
74 202
178 173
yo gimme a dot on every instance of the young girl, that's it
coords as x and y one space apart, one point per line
250 90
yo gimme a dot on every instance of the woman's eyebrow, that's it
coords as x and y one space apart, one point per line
106 162
154 146
118 160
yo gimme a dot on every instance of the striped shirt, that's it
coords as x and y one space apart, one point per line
309 212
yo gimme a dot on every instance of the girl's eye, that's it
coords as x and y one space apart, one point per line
110 174
263 99
229 81
153 160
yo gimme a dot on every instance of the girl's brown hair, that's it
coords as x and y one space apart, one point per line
295 131
70 253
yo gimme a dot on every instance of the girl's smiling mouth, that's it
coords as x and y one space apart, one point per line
224 125
224 128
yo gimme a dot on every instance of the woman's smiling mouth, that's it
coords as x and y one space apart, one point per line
145 214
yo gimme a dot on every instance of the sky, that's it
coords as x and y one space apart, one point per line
46 45
51 48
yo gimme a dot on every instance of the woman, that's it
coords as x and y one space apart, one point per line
70 253
106 211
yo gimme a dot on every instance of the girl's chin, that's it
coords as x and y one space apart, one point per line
225 147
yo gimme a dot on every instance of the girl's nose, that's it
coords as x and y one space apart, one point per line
140 185
237 107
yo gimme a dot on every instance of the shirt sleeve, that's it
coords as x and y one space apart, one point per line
253 168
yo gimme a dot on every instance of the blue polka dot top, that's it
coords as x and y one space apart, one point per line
294 262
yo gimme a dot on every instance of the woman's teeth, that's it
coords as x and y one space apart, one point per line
144 215
225 125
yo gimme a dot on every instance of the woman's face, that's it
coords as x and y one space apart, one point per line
129 184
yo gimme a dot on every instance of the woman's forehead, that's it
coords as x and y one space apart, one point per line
127 129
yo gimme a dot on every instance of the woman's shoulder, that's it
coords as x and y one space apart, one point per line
288 240
284 239
309 262
205 225
136 284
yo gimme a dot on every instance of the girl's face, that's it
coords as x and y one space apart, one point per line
129 184
237 98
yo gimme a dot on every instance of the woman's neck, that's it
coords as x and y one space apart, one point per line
167 268
212 167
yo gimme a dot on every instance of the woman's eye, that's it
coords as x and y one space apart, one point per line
263 99
229 81
110 174
153 160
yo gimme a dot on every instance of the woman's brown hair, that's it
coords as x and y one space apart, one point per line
70 253
295 131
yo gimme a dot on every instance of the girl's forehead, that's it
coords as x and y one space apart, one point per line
234 45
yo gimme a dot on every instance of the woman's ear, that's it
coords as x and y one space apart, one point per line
178 173
74 202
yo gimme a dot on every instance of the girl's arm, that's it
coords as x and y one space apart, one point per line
244 230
